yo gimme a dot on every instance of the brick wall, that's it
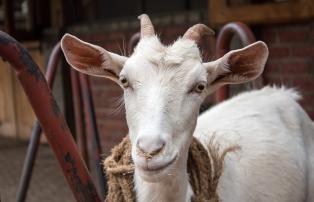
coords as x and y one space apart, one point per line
291 62
291 59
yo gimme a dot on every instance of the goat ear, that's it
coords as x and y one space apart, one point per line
238 66
91 59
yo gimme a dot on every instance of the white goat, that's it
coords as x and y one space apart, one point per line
164 87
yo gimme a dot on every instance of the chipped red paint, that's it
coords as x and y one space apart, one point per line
77 105
226 33
50 118
32 149
29 162
93 139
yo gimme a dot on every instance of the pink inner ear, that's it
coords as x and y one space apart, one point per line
82 55
247 62
242 65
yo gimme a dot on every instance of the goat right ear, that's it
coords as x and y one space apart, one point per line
238 66
91 59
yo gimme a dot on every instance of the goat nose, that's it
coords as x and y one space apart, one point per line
150 145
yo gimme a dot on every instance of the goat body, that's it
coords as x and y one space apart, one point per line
275 160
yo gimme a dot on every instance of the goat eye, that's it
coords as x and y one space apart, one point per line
124 82
199 88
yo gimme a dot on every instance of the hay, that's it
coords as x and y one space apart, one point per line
204 172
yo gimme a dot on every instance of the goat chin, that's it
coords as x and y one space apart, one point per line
161 170
156 176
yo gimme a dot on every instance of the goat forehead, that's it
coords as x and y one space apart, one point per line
153 61
152 50
144 73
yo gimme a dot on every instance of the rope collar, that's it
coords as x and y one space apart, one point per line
203 171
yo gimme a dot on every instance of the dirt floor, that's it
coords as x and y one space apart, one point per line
47 183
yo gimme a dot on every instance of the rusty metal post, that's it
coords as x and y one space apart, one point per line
93 138
36 132
226 33
29 162
50 118
79 124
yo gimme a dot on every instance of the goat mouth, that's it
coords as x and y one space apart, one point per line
159 167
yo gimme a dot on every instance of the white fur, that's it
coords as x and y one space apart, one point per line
276 137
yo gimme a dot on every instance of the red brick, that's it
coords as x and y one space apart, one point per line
105 114
109 124
311 114
273 80
98 37
114 137
295 68
272 68
113 46
278 79
305 84
168 40
107 92
306 51
174 31
269 36
290 36
97 81
118 136
307 100
278 52
84 37
129 34
107 104
311 34
116 36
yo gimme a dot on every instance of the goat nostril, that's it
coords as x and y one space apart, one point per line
150 148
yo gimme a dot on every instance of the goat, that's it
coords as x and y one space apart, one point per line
164 87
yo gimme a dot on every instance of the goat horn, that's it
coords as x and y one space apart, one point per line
196 32
147 28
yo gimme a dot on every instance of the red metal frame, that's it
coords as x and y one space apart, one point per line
80 135
50 118
93 139
226 33
79 126
36 133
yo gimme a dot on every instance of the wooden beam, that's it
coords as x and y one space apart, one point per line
220 13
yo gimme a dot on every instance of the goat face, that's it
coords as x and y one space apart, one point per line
163 92
164 87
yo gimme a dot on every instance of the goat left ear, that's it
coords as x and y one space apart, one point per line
91 59
238 66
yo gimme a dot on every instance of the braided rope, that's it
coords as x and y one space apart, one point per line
204 172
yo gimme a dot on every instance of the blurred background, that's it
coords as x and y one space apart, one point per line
287 26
